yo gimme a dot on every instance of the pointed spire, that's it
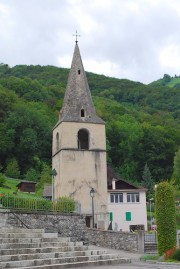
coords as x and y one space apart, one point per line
78 105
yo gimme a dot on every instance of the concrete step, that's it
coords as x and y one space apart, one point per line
21 230
34 240
34 249
41 250
38 245
21 235
19 257
80 264
61 260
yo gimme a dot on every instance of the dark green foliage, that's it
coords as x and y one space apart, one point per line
165 217
142 122
2 179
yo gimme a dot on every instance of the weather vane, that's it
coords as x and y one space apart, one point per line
76 35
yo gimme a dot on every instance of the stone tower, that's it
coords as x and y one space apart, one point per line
79 147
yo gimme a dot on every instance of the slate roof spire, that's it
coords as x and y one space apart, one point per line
78 105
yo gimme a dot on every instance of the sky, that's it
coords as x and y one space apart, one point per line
137 40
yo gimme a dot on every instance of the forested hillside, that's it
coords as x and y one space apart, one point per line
142 122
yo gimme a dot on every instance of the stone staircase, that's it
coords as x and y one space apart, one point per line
35 249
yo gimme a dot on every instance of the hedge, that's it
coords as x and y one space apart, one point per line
165 212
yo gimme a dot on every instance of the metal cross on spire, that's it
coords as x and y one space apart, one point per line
76 35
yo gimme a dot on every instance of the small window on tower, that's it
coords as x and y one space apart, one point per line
82 113
79 71
57 141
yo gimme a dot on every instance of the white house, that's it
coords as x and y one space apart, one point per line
126 206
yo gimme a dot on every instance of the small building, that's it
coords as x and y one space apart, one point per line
126 206
26 186
47 192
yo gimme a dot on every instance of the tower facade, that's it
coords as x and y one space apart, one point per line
79 147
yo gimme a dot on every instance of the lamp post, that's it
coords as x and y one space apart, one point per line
53 174
92 193
150 209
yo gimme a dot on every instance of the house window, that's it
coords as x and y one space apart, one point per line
116 198
128 216
79 71
83 139
133 197
82 113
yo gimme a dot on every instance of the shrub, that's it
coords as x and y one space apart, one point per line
65 204
165 217
169 253
176 254
21 203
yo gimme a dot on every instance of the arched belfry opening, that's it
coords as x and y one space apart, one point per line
83 139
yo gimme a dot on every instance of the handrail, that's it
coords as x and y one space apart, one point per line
20 220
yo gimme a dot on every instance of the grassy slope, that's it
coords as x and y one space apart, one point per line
161 82
173 82
10 188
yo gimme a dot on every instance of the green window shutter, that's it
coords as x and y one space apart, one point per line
111 216
128 216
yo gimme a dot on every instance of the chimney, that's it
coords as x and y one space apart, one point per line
113 184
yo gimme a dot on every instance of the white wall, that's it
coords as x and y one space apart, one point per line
138 211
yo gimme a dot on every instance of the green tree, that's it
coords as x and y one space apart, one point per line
165 212
45 176
2 179
148 181
32 175
12 169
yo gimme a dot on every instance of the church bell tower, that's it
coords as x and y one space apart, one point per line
79 147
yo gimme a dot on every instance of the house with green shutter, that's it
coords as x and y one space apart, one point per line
126 206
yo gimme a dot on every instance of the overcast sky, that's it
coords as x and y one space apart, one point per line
133 39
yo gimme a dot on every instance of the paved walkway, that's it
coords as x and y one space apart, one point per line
134 256
135 261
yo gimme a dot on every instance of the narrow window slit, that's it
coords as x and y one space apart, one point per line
82 113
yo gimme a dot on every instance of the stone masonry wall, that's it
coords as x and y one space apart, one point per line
73 226
114 240
67 225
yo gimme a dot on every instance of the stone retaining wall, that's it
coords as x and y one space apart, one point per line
67 225
74 226
114 240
